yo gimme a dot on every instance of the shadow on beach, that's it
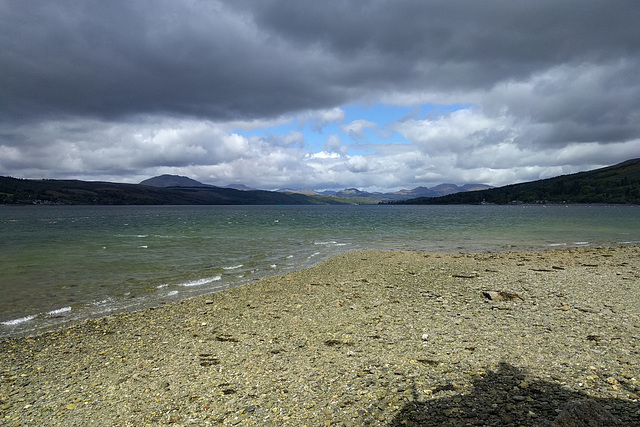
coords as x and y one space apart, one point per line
509 396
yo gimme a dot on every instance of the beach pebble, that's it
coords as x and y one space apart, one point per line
501 296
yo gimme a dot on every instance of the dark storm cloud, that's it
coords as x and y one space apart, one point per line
463 43
119 58
254 58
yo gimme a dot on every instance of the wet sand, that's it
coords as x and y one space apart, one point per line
365 338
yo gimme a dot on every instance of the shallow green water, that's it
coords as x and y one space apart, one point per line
63 263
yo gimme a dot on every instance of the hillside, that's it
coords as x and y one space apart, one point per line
614 184
73 192
164 181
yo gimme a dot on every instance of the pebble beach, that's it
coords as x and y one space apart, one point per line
364 338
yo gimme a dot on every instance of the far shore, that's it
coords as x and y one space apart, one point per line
364 338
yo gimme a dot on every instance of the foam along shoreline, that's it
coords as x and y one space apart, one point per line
19 320
24 319
39 323
386 338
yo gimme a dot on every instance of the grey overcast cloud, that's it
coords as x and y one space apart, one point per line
373 94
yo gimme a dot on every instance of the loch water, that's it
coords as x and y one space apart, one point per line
62 264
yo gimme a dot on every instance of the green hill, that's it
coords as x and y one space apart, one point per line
614 184
27 191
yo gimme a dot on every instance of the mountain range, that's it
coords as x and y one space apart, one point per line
614 184
172 181
437 191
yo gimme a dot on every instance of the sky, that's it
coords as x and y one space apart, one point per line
374 94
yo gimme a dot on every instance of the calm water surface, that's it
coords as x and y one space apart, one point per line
60 264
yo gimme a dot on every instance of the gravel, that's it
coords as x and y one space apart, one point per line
365 338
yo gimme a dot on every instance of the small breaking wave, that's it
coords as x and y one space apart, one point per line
201 282
19 320
233 267
58 311
102 302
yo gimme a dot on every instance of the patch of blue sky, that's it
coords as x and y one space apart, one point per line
375 126
385 115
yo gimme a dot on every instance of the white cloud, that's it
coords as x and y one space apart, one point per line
333 144
356 128
461 131
357 164
463 146
294 137
319 119
324 155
